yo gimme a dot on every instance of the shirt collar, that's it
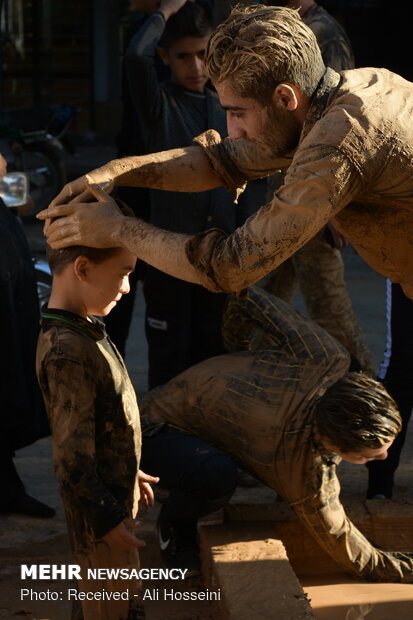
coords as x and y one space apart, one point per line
326 455
319 100
93 328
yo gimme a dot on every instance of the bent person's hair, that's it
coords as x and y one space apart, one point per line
258 47
194 19
356 413
58 259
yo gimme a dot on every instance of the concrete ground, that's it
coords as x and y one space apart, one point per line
25 540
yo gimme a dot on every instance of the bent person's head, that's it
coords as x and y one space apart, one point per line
357 419
258 47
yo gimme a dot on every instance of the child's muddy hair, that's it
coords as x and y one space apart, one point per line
58 259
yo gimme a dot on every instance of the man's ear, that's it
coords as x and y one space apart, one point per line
81 268
164 55
287 95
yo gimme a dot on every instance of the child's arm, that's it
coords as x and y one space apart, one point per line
70 390
143 80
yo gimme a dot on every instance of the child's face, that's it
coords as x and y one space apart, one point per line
106 282
186 61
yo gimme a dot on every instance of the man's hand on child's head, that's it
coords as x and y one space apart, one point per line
147 497
120 537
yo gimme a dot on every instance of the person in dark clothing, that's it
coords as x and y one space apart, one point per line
396 374
22 418
129 142
183 321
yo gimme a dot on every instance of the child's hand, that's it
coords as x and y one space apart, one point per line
121 538
147 497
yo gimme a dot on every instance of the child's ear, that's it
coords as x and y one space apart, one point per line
81 267
163 53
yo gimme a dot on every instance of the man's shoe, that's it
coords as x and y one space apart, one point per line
179 548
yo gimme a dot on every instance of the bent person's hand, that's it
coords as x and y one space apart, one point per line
95 224
121 537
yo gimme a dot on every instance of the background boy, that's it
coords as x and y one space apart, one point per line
94 418
183 320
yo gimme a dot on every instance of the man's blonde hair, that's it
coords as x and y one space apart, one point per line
258 47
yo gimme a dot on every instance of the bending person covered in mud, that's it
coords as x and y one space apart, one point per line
286 407
346 137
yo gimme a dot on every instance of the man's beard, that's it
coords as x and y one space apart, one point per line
281 132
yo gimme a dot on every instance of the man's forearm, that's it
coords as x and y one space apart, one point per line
177 170
162 249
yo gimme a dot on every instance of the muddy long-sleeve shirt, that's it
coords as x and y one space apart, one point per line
95 423
257 405
353 164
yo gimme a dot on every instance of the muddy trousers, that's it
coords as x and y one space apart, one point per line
317 268
397 376
200 478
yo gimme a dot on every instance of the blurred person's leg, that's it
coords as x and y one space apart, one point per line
282 282
398 380
320 273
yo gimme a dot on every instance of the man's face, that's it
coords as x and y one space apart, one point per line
144 6
106 282
363 456
273 126
186 61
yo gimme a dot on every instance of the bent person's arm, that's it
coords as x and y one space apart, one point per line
326 520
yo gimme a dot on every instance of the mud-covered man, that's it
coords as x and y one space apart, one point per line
348 139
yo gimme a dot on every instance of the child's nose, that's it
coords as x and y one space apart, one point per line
125 286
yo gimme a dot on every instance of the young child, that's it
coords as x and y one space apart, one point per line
95 424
